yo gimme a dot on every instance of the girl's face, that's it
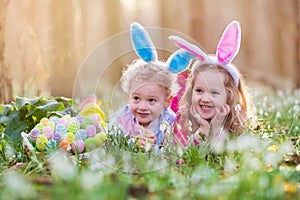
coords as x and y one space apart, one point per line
147 101
208 93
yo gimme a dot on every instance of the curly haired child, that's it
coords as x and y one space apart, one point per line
150 85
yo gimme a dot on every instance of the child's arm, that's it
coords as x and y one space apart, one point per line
212 129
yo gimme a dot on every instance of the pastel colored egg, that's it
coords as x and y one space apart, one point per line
95 119
64 144
86 121
62 121
41 142
90 130
53 119
90 144
70 137
48 132
81 134
56 136
72 127
44 121
78 146
34 133
100 138
39 126
61 128
51 124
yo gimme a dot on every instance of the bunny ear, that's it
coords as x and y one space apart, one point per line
229 43
179 61
193 49
142 43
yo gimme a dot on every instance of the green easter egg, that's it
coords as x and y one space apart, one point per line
90 144
39 126
100 138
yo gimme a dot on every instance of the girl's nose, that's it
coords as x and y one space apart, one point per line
143 105
206 97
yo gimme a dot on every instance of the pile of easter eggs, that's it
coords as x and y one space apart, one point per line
76 134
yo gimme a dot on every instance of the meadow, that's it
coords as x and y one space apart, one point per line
262 163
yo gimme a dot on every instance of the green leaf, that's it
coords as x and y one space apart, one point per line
21 101
52 105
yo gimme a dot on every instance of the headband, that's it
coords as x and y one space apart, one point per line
227 49
145 49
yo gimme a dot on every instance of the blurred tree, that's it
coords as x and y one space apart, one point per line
297 43
64 43
5 81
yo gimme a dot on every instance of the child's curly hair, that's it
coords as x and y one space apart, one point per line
152 72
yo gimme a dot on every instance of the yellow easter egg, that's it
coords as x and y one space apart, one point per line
100 138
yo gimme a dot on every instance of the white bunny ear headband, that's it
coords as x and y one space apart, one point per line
227 49
145 49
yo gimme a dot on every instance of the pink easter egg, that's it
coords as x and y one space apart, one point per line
78 146
48 132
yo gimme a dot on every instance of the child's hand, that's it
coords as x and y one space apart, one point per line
218 120
202 123
145 139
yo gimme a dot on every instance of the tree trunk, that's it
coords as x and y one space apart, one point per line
5 82
64 43
297 43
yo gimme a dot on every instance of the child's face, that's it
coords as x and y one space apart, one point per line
208 93
147 101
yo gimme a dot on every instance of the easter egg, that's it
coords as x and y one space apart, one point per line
44 121
86 121
95 119
81 134
51 124
34 133
70 137
61 128
53 119
39 126
90 144
78 146
64 144
56 136
72 127
48 132
41 142
90 130
100 138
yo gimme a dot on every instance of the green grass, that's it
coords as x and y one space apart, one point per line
263 163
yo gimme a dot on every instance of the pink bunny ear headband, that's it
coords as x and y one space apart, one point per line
227 49
145 49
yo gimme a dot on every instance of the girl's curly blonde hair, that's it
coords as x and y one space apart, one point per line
151 72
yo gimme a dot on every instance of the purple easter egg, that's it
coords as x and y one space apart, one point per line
90 130
56 136
34 133
78 146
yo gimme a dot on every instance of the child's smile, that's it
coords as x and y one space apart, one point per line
208 93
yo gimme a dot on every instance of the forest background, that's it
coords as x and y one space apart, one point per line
43 43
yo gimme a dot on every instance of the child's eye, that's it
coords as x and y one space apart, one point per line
215 93
198 90
135 98
152 100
